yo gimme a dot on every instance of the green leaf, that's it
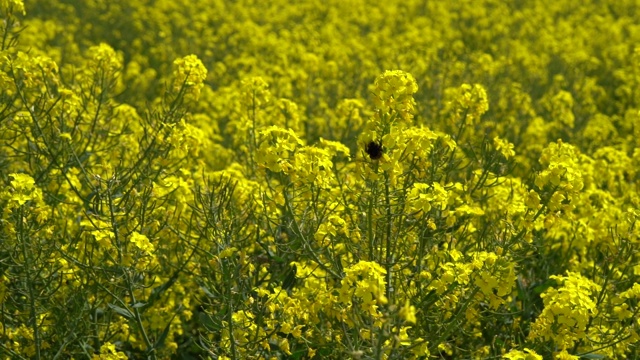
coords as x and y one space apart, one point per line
297 355
592 356
207 291
208 323
159 290
122 311
541 288
160 342
163 336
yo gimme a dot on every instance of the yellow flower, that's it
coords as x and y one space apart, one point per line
564 355
504 147
393 93
141 242
527 354
22 189
422 197
108 352
567 310
532 200
105 58
284 346
11 6
189 75
4 282
467 104
408 313
364 280
255 92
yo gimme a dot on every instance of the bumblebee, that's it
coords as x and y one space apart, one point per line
374 150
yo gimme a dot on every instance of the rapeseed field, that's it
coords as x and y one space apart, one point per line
309 179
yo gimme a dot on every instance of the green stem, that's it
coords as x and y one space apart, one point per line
232 340
389 252
150 348
33 316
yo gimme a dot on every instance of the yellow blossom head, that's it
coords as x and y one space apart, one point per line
393 93
189 75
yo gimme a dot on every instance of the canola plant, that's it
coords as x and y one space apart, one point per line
319 179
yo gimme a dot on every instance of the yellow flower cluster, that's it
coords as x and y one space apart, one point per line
189 75
567 310
393 93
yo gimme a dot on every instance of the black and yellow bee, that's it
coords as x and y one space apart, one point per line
374 150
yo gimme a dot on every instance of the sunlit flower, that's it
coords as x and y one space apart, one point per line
189 75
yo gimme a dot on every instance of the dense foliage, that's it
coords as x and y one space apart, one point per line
319 179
